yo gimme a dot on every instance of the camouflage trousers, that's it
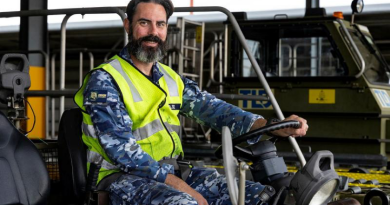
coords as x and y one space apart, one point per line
130 189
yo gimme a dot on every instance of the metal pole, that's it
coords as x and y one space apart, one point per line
260 75
83 11
51 93
225 50
180 24
91 61
201 56
81 56
221 70
240 97
312 4
212 54
62 61
47 86
280 57
53 87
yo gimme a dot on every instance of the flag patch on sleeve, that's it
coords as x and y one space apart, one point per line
98 96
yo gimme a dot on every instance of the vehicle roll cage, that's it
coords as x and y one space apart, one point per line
120 11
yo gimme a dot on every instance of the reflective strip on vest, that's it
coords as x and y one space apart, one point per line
152 128
176 128
148 130
172 128
96 158
88 130
172 86
134 92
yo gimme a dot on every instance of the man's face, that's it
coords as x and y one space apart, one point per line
148 32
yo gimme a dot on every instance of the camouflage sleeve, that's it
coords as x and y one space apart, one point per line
113 128
208 110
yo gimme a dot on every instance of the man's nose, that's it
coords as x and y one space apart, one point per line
153 30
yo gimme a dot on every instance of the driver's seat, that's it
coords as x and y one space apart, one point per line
72 159
23 175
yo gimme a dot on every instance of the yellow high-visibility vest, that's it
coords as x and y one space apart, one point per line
153 109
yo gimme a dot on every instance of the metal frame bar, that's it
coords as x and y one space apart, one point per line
186 47
220 63
213 44
226 35
68 13
260 75
230 16
81 63
363 63
53 87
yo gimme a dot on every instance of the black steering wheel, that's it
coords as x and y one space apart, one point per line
247 153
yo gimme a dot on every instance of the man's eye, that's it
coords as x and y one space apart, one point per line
161 24
143 23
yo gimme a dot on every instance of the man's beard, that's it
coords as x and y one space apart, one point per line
146 54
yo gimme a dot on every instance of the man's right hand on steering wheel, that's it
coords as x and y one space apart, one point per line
293 132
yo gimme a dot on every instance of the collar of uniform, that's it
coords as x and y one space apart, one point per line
156 73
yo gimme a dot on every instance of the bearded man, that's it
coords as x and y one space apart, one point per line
130 121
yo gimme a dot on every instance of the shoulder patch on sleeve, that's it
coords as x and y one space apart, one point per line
98 96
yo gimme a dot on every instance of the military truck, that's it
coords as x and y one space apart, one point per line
325 69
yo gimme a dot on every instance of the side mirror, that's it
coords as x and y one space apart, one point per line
357 6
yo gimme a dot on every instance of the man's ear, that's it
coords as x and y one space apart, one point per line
126 24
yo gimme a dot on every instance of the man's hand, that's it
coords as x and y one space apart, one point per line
182 186
292 131
287 131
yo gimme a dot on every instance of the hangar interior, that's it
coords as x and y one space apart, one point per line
331 70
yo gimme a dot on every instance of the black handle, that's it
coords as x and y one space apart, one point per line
268 128
17 56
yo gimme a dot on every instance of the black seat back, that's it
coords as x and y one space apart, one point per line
72 157
23 175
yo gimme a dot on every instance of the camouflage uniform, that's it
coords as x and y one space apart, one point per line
144 181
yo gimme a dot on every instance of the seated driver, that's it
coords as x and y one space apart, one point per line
130 120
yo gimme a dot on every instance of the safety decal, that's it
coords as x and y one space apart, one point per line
322 96
383 97
174 106
254 104
198 34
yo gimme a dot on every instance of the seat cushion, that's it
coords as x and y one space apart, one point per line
24 178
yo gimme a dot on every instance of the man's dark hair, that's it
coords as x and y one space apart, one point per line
132 6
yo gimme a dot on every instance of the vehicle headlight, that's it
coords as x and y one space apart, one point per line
317 181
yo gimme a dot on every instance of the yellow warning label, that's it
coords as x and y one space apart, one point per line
199 34
322 96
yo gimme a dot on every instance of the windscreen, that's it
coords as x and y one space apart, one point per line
376 68
291 52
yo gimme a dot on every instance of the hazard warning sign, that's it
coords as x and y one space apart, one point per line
322 96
